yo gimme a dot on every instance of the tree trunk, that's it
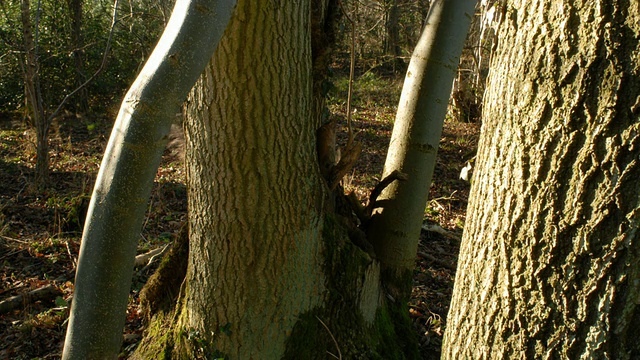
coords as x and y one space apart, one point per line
77 49
395 226
269 266
34 96
392 29
130 163
256 262
548 267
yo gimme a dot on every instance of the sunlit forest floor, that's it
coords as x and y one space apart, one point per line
40 230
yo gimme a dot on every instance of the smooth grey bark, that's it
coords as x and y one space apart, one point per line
395 226
123 186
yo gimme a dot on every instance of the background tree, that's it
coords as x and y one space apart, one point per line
548 264
35 43
77 50
397 220
33 90
392 27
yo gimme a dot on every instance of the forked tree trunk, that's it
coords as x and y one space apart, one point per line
548 267
267 264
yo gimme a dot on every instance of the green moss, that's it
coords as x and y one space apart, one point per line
163 287
389 337
158 341
395 336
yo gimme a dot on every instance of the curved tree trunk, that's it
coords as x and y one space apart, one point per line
269 263
549 261
130 163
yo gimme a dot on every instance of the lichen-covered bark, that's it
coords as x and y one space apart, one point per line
548 264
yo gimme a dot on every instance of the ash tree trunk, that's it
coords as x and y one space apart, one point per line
549 260
271 271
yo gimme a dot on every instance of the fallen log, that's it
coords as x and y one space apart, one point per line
45 293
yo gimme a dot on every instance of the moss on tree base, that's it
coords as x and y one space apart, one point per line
349 331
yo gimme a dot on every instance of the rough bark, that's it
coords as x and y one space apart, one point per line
548 263
255 259
130 163
268 262
394 228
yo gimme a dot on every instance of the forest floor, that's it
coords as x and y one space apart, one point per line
40 230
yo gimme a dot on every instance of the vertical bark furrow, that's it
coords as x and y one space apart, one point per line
256 105
551 213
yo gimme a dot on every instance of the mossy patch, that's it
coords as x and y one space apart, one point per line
162 288
389 337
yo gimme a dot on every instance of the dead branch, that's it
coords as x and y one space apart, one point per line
44 293
439 230
148 257
395 175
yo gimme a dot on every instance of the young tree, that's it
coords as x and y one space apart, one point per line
33 93
123 186
395 225
549 260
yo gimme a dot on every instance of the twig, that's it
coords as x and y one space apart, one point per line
73 259
438 229
157 253
339 357
149 256
450 197
15 240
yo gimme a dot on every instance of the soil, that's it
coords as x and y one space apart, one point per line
40 230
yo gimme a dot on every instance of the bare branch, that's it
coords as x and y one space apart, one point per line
114 21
